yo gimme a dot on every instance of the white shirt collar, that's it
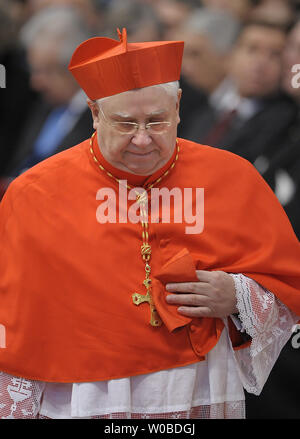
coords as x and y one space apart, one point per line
226 98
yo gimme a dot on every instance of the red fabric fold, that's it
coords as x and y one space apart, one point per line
204 332
180 268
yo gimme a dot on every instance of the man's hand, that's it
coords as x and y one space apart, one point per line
212 296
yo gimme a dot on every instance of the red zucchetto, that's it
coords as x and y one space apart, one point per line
105 67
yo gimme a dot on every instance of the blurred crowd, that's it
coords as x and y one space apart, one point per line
240 82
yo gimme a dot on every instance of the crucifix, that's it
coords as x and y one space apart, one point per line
140 298
146 251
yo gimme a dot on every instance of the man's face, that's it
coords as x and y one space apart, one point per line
202 66
143 152
291 57
256 61
48 77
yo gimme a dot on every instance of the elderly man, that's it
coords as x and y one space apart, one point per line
138 308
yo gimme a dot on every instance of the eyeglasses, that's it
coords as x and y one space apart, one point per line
131 128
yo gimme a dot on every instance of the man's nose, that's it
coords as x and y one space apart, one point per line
141 137
37 81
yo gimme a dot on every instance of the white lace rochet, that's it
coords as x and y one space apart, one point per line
209 389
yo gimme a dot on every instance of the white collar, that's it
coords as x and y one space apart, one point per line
226 98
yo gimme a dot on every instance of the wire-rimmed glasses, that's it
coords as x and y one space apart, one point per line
131 128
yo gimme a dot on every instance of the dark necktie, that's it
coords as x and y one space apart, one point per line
220 128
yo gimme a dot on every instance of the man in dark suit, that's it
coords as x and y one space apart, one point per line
244 111
283 173
60 117
16 95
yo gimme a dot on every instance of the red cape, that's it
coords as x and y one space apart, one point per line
66 280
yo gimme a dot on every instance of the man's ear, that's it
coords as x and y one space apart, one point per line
95 112
179 94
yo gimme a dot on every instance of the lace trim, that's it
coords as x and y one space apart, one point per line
19 397
227 410
269 323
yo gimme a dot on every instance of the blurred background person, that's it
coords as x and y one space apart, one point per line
209 37
60 117
244 111
283 174
17 98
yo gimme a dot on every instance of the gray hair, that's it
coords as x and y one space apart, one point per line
221 28
59 26
171 88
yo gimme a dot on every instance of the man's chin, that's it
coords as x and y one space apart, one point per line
146 169
141 171
142 164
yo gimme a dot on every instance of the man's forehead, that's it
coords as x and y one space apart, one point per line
257 32
149 100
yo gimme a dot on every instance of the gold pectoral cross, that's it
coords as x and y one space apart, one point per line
140 298
137 299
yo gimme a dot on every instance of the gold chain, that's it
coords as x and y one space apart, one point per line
146 250
147 188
